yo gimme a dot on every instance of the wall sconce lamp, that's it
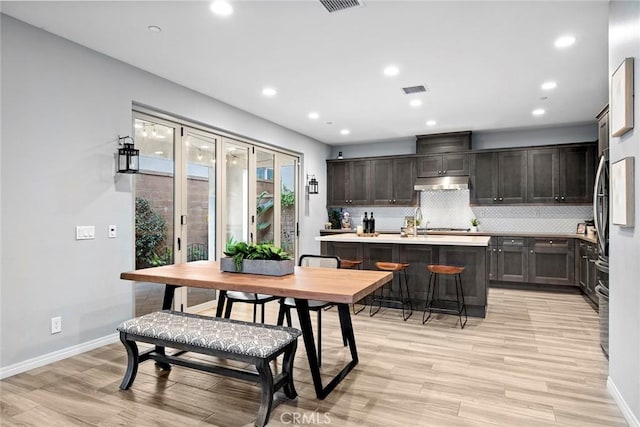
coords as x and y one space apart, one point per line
312 184
128 156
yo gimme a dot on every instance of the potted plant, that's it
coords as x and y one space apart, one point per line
474 225
252 258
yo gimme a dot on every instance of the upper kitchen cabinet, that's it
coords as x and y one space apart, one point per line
498 177
348 182
603 130
561 175
443 142
392 181
452 164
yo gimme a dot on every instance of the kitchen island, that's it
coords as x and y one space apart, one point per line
469 251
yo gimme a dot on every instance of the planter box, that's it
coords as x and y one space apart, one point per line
259 266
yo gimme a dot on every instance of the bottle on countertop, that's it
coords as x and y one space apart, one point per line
365 224
372 224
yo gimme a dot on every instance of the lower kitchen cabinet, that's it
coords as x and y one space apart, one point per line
587 275
348 250
532 260
512 259
551 261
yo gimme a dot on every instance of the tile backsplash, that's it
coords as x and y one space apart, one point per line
451 209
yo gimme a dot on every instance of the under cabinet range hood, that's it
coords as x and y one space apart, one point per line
442 183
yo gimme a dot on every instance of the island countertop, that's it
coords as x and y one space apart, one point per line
430 239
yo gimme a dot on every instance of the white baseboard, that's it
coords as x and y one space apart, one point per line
626 411
36 362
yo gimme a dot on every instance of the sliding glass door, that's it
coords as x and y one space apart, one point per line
181 218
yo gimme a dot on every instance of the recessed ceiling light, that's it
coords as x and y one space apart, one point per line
154 28
221 8
345 131
391 71
538 112
269 91
159 152
415 102
204 147
549 85
313 116
565 41
431 123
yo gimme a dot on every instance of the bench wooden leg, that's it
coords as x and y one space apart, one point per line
132 362
266 400
287 369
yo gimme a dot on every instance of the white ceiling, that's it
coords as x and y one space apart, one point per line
483 62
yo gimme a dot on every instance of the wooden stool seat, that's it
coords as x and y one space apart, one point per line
391 266
445 269
347 263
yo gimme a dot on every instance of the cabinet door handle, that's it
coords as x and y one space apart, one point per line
499 250
439 172
444 172
500 198
495 199
584 257
551 242
394 200
557 198
531 251
562 198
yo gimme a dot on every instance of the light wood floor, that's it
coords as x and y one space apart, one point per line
535 360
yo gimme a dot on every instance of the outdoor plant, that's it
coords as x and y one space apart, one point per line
240 251
151 233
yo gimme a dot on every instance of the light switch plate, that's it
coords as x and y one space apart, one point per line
112 232
85 232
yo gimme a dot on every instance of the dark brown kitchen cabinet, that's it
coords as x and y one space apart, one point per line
392 182
348 183
452 164
475 271
513 260
345 250
603 130
561 175
587 274
551 261
498 177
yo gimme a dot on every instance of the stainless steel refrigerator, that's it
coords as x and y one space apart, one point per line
601 220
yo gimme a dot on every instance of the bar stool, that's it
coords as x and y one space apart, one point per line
456 306
401 269
352 264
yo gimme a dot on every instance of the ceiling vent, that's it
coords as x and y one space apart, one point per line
414 89
338 5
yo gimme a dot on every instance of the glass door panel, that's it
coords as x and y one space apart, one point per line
288 203
265 194
155 206
236 201
199 195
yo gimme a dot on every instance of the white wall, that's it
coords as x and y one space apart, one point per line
624 244
62 108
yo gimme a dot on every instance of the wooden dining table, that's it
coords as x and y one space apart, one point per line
339 286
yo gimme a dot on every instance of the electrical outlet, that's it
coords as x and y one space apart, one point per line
56 325
112 232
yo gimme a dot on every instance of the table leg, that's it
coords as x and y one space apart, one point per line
222 296
302 306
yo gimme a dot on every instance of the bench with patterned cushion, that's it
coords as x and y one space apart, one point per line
252 343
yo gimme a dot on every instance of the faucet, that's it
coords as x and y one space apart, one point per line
417 219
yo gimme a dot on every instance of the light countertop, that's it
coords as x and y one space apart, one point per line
430 239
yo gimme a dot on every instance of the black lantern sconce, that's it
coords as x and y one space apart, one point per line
128 156
312 184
